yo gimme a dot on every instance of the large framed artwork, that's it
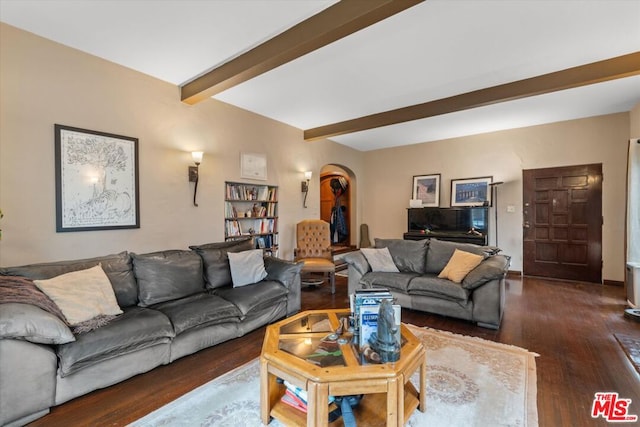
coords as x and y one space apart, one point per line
96 180
426 188
253 166
471 191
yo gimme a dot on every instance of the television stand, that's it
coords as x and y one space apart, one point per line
449 237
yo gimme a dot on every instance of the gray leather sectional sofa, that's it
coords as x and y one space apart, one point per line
479 297
174 303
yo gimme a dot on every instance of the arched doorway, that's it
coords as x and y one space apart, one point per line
336 203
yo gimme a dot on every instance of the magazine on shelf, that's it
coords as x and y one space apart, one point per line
300 393
294 401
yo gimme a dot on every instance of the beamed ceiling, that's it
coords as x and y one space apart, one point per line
369 74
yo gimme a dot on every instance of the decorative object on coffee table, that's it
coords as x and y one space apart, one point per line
384 340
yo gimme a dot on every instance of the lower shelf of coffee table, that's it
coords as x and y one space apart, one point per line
371 411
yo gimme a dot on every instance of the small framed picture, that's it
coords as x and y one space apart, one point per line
253 166
471 191
426 188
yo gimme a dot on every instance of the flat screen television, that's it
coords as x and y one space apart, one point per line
448 220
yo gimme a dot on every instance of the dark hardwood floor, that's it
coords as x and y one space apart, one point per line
570 325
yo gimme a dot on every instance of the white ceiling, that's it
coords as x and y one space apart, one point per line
436 49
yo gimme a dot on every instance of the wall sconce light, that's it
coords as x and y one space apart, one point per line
305 187
193 172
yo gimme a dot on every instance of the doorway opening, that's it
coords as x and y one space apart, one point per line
337 204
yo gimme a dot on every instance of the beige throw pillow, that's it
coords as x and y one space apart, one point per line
81 295
460 264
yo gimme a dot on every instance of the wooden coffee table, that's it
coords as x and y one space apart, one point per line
289 352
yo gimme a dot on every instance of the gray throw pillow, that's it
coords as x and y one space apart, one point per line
30 323
494 267
217 272
167 275
408 255
380 260
247 267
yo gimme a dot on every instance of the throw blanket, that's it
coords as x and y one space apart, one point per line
24 291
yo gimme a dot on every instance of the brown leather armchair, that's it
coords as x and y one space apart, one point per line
313 248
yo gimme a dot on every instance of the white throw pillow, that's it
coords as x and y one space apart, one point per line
380 260
247 267
81 295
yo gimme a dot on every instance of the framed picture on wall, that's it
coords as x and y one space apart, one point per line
471 191
426 188
96 180
253 166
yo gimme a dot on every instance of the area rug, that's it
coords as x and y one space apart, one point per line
470 382
631 347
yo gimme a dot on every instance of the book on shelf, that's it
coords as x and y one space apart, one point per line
233 228
264 226
300 393
247 192
230 210
294 401
271 209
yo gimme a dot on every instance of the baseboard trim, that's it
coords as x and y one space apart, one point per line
514 274
605 282
612 283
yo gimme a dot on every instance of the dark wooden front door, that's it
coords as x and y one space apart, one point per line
562 215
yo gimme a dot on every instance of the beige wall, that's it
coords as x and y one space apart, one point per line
504 155
43 83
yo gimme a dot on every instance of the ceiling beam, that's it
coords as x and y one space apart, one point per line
595 72
335 22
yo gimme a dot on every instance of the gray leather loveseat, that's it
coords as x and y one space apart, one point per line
174 303
479 297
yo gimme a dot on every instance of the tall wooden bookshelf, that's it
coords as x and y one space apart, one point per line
252 210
